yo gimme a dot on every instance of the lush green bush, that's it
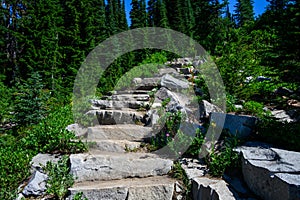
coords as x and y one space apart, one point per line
14 166
50 135
281 134
219 161
59 178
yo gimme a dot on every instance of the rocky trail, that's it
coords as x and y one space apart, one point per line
114 169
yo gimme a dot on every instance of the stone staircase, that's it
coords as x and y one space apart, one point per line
111 169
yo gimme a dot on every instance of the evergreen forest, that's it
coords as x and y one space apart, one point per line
43 44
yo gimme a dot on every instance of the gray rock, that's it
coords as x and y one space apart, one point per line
110 166
173 83
241 126
36 185
160 188
40 160
263 78
285 116
112 104
77 129
131 97
113 145
207 108
193 168
167 70
111 117
271 173
283 91
204 188
119 132
148 83
185 70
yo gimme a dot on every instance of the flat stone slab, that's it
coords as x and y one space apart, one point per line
114 104
113 145
94 166
119 132
160 188
239 125
111 117
131 97
205 188
271 173
40 160
148 83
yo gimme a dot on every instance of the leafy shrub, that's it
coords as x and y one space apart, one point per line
14 166
219 161
282 134
255 108
50 135
59 178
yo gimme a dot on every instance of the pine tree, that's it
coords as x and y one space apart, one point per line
138 14
244 12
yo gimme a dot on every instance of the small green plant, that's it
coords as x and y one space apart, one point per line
59 178
226 157
79 196
255 108
179 173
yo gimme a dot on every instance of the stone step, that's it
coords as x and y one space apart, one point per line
147 83
150 188
97 166
112 104
119 132
111 117
130 97
112 145
132 92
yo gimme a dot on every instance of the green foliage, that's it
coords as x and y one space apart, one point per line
5 102
195 148
30 101
179 173
255 108
59 178
14 166
283 135
50 135
226 157
79 196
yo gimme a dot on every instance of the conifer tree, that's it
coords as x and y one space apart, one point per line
244 12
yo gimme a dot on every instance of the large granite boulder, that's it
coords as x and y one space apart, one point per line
241 126
272 174
172 83
36 185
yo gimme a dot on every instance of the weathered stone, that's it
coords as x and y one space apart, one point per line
113 145
36 185
167 70
207 108
160 188
241 126
283 91
77 129
271 173
113 104
185 70
193 168
173 83
110 166
110 117
40 160
285 116
119 132
204 188
130 97
148 83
